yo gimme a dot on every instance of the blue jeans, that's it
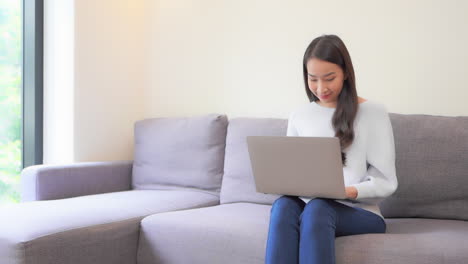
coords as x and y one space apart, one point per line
300 233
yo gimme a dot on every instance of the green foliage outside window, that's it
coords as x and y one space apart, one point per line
10 99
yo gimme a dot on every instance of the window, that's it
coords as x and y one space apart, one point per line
20 92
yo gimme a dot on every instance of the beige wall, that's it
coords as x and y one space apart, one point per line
59 66
95 76
110 77
243 58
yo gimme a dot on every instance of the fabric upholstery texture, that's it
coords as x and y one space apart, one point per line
432 167
58 181
229 233
238 181
88 228
180 153
237 233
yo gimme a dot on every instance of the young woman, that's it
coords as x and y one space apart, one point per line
303 229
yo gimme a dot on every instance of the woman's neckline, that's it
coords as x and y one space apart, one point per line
332 108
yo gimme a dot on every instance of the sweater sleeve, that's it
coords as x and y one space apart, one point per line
380 179
291 131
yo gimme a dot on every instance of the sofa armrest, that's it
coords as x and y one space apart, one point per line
50 181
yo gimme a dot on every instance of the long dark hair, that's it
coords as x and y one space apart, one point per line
332 49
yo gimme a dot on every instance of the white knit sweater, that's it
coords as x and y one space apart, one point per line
370 163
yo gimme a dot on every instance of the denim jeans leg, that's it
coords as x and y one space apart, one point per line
283 234
324 219
355 221
317 227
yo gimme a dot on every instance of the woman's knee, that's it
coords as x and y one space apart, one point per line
318 209
318 217
383 227
286 202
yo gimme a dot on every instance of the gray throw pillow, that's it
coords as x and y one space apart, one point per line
238 182
180 153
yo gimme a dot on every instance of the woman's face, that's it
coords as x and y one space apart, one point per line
325 81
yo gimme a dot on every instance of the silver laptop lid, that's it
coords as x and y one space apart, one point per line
300 166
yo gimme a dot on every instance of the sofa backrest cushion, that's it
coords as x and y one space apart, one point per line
432 167
180 153
238 182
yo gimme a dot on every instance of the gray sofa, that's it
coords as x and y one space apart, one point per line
189 197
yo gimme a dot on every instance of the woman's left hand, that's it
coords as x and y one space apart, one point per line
351 192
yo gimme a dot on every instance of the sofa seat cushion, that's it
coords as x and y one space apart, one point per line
228 233
101 228
237 233
408 240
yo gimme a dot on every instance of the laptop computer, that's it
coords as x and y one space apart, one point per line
299 166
